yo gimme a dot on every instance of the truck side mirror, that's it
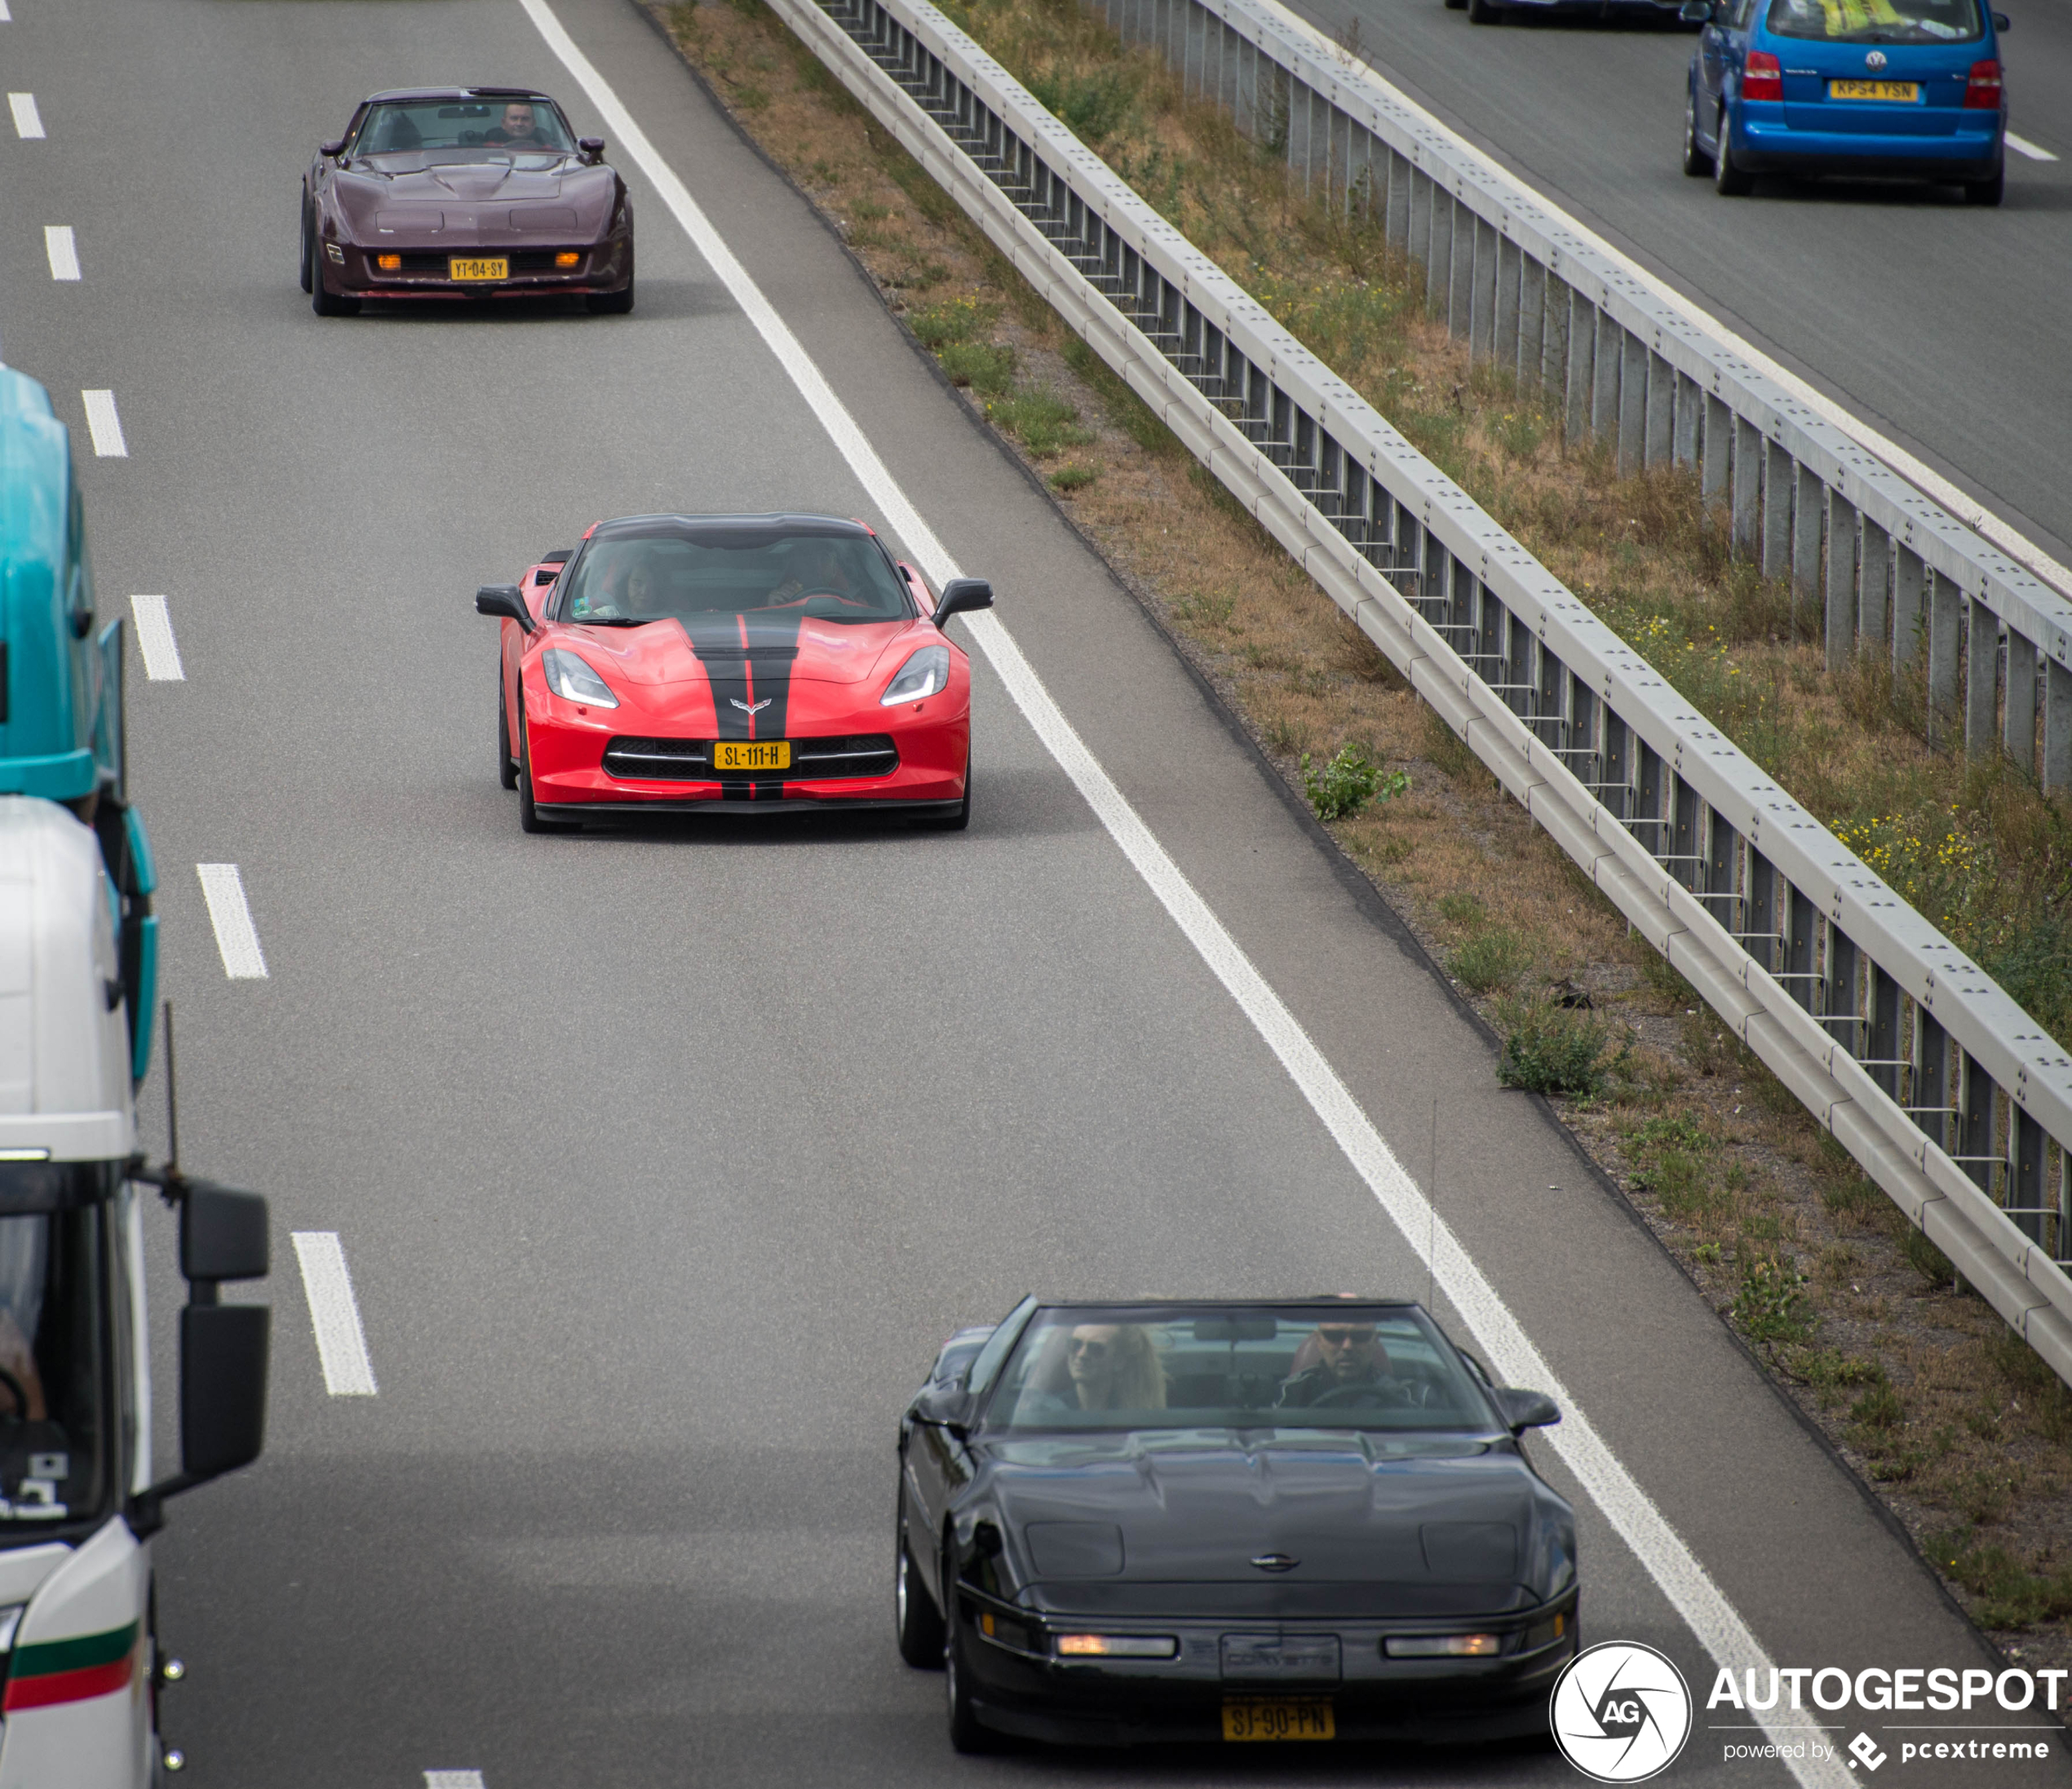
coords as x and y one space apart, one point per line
222 1234
222 1360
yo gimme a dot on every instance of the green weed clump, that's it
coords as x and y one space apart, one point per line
1348 782
1491 962
1770 1305
1068 479
2011 1593
1042 420
985 368
1557 1050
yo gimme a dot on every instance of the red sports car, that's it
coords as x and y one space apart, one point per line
463 193
731 664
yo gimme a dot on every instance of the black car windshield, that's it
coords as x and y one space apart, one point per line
413 127
1349 1366
1876 21
623 580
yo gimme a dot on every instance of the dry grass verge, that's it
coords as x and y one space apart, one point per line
1920 1385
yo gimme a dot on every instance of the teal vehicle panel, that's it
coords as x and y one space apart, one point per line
56 740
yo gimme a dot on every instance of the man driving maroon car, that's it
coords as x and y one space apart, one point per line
518 126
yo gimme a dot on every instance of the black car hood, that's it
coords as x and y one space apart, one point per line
1449 1521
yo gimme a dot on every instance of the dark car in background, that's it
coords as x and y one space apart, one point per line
1283 1521
460 193
1895 89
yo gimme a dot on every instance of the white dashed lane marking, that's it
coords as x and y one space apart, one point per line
104 425
155 640
453 1779
29 122
334 1315
236 937
62 250
2034 151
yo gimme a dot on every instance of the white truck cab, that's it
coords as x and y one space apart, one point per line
77 1502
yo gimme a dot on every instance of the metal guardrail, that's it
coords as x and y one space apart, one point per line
1893 571
1952 1099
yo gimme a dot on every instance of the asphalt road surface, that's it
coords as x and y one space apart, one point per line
1943 326
662 1159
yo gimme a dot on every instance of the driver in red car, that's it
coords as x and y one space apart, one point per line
821 572
518 128
1335 1356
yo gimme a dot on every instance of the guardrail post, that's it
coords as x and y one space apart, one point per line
1604 394
1616 770
1686 814
1930 1077
1974 1126
1981 680
1688 423
1778 480
1802 922
1945 636
1762 918
1662 410
1717 464
1748 446
1532 325
1910 578
1482 299
1579 333
1632 401
1875 582
1882 1044
1509 345
1722 864
2018 724
1839 990
2027 1179
2057 731
1841 579
1439 258
1808 495
1460 270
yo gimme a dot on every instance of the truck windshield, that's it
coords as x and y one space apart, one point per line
56 1393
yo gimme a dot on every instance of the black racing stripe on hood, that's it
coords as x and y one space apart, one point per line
748 662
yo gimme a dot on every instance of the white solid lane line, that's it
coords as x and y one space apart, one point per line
63 251
334 1314
29 122
104 425
155 640
2034 151
236 937
1683 1580
453 1779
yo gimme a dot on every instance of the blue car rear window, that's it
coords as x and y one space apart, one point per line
1876 21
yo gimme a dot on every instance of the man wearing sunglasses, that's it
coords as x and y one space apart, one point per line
1337 1363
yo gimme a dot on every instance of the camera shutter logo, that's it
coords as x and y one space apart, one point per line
1621 1712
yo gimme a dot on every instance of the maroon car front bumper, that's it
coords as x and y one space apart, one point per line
426 272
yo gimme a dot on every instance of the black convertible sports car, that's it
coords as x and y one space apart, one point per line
463 193
1182 1520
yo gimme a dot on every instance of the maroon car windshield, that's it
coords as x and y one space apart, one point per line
411 127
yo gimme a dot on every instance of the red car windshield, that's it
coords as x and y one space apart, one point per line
626 581
414 127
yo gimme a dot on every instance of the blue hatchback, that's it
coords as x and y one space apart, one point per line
1901 89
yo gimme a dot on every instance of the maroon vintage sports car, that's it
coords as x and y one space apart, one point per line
463 193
